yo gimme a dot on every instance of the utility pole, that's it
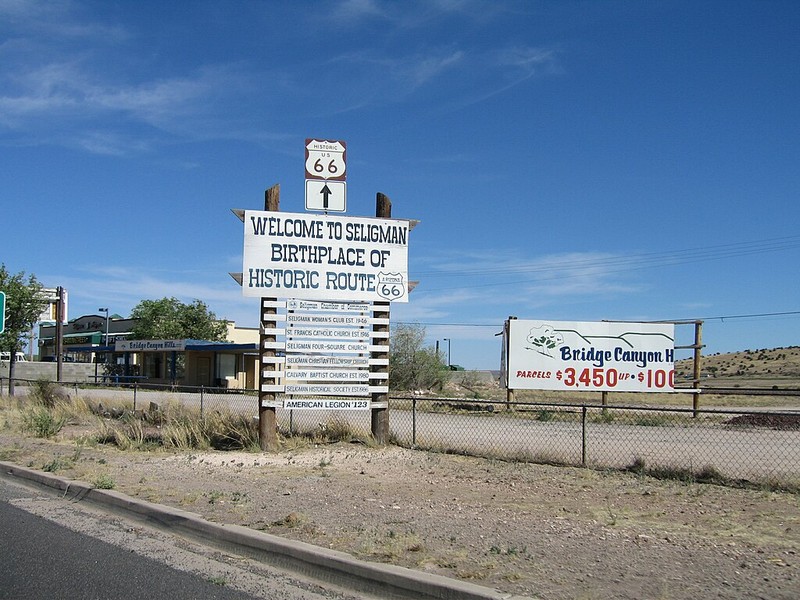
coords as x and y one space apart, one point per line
59 333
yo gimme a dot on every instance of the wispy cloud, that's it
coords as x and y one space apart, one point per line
546 277
420 71
507 68
403 73
122 288
62 97
411 14
352 12
58 91
57 19
60 84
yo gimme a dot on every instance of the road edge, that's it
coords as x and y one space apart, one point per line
322 564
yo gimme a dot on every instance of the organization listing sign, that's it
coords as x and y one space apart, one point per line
594 356
324 404
325 257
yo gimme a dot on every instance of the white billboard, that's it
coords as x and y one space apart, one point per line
325 257
50 312
591 356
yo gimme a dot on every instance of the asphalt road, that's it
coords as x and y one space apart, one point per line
52 548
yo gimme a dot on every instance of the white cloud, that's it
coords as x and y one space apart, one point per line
54 90
353 11
121 288
56 19
420 70
493 277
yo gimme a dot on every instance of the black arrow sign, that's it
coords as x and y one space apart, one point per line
326 192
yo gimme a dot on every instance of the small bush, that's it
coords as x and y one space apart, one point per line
103 482
48 393
604 416
131 435
57 464
652 420
42 422
707 474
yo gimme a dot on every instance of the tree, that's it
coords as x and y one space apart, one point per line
411 365
24 304
170 319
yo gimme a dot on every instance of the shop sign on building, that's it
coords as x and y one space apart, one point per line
149 345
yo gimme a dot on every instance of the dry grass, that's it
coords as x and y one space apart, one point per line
171 426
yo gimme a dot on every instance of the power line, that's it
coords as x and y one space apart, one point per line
615 264
720 318
753 316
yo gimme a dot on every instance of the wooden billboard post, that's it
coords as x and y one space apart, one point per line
697 361
270 379
380 310
267 417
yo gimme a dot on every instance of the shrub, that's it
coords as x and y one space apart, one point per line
103 482
42 422
47 393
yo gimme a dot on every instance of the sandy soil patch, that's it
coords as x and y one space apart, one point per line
535 530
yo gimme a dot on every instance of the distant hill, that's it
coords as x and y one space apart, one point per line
746 364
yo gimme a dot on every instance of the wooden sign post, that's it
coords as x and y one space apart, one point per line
380 310
267 418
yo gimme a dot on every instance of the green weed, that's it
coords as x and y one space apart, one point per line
42 422
103 482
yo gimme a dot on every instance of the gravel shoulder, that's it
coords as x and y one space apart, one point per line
535 530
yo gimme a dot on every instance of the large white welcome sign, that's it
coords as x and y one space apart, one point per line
324 257
598 356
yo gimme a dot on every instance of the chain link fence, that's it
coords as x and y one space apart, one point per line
757 446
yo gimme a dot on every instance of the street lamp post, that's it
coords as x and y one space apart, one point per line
448 351
105 340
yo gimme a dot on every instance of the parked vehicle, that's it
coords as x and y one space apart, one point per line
55 359
6 357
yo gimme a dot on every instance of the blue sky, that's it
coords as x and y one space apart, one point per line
568 160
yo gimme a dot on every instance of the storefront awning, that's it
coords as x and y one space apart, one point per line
72 339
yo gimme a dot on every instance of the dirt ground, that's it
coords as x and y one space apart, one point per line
540 531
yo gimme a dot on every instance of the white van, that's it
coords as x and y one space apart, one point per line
6 357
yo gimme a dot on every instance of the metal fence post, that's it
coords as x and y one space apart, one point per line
135 387
583 436
413 422
696 373
202 390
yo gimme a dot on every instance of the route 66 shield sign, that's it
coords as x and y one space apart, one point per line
326 159
391 285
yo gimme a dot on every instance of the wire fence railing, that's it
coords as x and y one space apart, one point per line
759 446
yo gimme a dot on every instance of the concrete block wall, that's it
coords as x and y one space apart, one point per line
46 370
